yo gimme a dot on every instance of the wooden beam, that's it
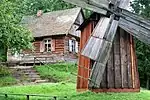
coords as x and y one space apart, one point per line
141 33
115 90
91 5
132 62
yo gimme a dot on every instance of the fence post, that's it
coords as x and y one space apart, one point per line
6 95
55 98
28 97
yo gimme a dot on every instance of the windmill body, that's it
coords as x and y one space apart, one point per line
109 47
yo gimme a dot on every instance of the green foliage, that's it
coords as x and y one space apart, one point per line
4 71
12 35
143 51
31 7
58 72
142 7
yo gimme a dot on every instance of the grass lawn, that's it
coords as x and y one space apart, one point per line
68 89
65 86
58 72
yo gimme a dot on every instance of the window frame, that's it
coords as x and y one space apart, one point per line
47 42
72 46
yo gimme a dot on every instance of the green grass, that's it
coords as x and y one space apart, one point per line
66 86
58 72
7 80
6 77
69 90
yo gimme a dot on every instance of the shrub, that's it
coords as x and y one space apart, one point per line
4 71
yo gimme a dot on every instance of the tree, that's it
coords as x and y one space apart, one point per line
143 51
31 7
12 35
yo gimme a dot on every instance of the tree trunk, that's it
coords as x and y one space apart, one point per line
148 83
3 53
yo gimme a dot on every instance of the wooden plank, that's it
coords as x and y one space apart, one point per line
103 84
117 61
89 46
96 47
135 17
100 64
137 83
104 52
92 49
99 3
128 49
136 30
115 90
91 6
110 70
137 20
82 83
101 28
123 57
94 77
112 31
103 55
94 44
132 62
124 4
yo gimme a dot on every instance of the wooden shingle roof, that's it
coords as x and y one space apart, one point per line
51 23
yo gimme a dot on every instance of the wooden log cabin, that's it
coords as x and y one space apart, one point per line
55 35
121 73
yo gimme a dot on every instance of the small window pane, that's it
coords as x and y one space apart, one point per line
45 41
47 45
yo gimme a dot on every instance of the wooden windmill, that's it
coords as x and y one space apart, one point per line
107 55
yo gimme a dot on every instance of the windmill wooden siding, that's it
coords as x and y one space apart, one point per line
84 61
121 73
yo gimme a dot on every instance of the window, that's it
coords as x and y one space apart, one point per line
73 46
47 45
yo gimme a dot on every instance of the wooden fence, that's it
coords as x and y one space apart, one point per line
34 95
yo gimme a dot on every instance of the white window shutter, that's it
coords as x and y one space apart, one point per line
70 45
42 46
76 47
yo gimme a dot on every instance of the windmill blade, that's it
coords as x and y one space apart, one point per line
98 6
104 32
124 4
103 56
135 25
99 46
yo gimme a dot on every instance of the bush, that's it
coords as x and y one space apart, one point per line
5 77
4 71
7 80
